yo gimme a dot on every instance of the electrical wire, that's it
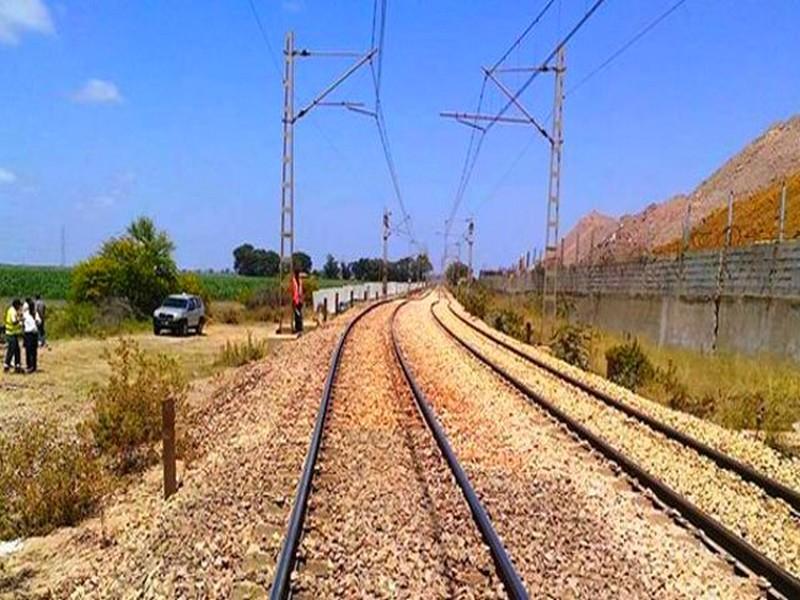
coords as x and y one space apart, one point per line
265 37
644 31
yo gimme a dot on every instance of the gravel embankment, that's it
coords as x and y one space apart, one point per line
766 523
220 535
572 527
736 444
386 518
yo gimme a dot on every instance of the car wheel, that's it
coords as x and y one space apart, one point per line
156 330
200 324
184 330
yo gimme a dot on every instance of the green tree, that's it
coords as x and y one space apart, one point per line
137 267
455 272
331 267
302 262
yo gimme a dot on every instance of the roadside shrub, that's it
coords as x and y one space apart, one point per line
137 266
628 365
509 322
126 412
229 315
573 344
47 480
73 320
236 354
474 298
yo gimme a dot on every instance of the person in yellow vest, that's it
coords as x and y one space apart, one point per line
13 324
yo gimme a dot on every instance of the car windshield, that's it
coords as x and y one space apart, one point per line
175 303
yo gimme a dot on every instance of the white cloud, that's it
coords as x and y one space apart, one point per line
7 176
97 91
21 16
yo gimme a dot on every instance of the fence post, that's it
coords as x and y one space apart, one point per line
782 213
351 297
168 452
325 309
336 303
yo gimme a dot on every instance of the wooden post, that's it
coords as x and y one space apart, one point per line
168 452
325 309
351 297
336 304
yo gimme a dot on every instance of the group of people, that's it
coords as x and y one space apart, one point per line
24 322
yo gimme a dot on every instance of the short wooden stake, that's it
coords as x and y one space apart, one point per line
168 453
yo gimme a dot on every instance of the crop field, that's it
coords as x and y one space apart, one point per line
53 283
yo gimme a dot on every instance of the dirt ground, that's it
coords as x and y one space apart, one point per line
68 369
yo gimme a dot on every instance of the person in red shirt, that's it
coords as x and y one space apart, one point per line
297 301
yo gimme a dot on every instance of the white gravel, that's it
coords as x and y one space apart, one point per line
572 527
766 523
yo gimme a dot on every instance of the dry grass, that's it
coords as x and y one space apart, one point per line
755 218
71 367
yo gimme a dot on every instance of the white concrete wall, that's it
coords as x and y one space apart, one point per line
373 291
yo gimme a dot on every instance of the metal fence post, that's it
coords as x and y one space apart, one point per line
168 452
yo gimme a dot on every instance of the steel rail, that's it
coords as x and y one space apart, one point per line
281 583
771 486
505 568
779 578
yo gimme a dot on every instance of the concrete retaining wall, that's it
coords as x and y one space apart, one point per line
746 300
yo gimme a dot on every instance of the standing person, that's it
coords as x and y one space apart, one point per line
41 310
30 326
297 302
13 324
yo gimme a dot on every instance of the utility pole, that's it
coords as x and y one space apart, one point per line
550 288
287 174
386 215
550 254
290 118
470 241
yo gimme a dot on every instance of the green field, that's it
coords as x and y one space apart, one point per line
53 283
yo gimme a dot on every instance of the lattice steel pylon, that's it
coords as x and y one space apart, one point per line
287 173
550 283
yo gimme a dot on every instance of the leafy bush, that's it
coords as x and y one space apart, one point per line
474 298
236 354
46 480
126 412
71 321
573 344
137 266
509 322
628 365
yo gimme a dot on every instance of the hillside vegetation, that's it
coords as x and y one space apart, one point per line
755 218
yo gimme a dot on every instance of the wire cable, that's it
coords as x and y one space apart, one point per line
644 31
265 37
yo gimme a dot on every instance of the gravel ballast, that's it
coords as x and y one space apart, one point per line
766 523
572 527
219 536
386 518
737 444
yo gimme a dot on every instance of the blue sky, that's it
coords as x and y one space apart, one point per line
113 109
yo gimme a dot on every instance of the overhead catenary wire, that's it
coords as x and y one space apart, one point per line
378 41
622 49
473 148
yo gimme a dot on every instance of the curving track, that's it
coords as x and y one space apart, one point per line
384 518
761 532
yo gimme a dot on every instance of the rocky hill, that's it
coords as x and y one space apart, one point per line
767 160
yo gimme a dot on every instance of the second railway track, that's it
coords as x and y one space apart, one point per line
763 539
377 511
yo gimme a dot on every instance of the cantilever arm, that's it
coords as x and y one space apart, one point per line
517 103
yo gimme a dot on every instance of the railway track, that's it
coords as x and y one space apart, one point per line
710 530
283 581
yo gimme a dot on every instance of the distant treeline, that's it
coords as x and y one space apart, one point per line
259 262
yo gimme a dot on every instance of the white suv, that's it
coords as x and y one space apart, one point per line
179 313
